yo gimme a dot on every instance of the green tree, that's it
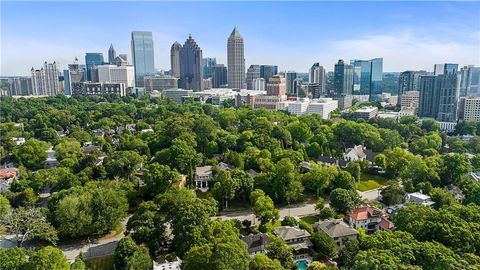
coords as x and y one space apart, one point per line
430 125
67 149
375 259
392 194
48 258
4 207
123 164
12 259
318 179
344 180
159 178
79 263
355 170
346 257
279 250
300 131
129 255
326 213
454 167
441 198
32 154
263 206
381 160
324 245
225 187
29 223
262 262
343 200
147 226
140 260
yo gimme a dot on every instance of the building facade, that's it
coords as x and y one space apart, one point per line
208 64
175 59
142 55
410 100
368 77
469 109
343 78
219 78
191 69
20 86
116 74
276 86
259 84
45 81
92 60
267 71
253 72
470 81
235 60
317 75
290 77
160 82
96 88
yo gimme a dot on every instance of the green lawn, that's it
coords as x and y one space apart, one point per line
100 263
369 182
310 219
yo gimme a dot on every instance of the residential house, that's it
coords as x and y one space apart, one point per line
7 176
51 160
256 243
297 239
456 192
305 167
419 198
203 175
368 218
19 140
356 153
98 132
338 230
89 147
175 265
224 166
332 161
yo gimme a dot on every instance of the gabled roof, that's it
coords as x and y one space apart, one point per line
288 233
386 224
235 33
256 242
203 170
335 228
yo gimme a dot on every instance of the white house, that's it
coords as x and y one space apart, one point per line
357 153
419 198
202 176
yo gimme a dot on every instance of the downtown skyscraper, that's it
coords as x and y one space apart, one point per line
92 60
368 77
45 80
253 72
142 55
343 79
175 59
191 68
111 54
235 60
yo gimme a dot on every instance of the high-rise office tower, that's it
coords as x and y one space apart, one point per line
276 86
440 69
219 78
116 74
111 54
142 55
45 81
470 81
317 75
74 73
253 72
191 70
428 101
267 71
92 60
175 59
406 82
446 86
368 77
343 78
208 64
235 60
290 77
439 97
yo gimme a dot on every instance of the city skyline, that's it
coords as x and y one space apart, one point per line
421 31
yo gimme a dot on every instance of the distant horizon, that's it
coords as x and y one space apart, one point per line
407 35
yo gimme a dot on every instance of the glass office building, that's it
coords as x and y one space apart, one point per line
368 77
92 60
142 55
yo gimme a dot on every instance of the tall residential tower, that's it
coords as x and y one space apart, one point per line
142 55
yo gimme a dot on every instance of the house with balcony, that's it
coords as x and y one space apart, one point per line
369 218
297 239
203 175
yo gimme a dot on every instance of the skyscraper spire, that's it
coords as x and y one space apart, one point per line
235 60
111 54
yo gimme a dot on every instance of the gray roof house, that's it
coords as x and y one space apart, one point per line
297 239
338 230
256 243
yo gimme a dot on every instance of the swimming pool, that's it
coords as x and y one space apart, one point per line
302 265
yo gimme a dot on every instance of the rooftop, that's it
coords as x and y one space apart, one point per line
335 228
364 212
289 233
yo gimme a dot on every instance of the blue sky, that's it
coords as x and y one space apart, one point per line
292 35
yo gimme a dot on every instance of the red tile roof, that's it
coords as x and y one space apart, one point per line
364 212
386 224
7 173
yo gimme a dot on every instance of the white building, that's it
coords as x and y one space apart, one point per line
203 175
176 95
366 113
419 198
470 109
45 81
259 84
116 74
322 106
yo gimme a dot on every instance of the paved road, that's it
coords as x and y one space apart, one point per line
371 195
